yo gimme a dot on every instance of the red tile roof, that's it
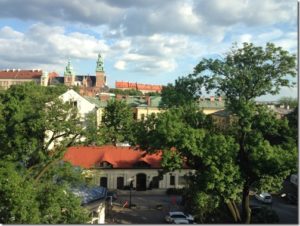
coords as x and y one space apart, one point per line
20 74
119 157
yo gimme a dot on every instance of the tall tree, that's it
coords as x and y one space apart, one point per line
185 90
117 123
243 75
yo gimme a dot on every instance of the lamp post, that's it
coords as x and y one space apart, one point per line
130 186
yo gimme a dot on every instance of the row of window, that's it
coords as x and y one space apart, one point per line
154 183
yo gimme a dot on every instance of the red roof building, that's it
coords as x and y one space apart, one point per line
145 88
118 157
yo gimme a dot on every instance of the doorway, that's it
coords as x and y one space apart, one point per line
103 182
141 182
120 182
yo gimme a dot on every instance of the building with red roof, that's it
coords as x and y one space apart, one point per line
115 167
144 88
17 76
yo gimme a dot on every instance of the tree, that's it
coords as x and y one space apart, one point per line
32 118
36 118
186 89
93 135
252 153
130 92
289 101
243 75
18 203
23 201
117 122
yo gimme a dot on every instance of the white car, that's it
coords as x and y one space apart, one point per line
264 197
179 218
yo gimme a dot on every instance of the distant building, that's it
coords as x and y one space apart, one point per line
11 77
89 85
144 88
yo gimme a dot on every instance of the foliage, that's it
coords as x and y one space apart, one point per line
243 75
253 152
17 197
59 206
290 101
93 135
185 90
117 123
28 119
33 183
129 92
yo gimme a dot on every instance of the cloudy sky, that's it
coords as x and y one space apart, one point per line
146 41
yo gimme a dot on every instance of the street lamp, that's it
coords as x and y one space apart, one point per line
130 188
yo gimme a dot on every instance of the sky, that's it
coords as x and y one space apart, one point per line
145 41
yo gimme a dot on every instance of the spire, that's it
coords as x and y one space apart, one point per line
99 66
69 69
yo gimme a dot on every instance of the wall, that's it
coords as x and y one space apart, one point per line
6 83
130 174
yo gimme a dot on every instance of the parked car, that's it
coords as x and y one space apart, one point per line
179 218
264 197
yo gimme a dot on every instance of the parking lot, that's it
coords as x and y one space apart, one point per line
146 210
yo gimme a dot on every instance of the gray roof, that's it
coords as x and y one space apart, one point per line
89 195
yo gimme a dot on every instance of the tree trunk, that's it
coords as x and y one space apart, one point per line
246 212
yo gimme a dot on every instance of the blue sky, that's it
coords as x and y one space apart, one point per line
149 41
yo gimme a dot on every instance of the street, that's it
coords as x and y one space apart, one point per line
288 214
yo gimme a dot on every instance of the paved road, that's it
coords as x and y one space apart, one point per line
288 214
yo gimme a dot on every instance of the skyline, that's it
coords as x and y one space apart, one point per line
149 41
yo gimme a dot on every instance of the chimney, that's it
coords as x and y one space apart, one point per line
212 98
220 99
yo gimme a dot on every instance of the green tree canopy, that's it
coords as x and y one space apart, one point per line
243 75
117 122
185 90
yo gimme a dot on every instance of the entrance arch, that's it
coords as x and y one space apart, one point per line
141 182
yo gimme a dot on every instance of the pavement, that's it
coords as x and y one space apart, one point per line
149 209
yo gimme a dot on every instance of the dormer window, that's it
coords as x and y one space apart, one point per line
104 164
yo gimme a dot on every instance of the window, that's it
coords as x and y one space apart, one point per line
142 117
172 180
104 164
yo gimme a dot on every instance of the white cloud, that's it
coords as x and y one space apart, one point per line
46 46
120 65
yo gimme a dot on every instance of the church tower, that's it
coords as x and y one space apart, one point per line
69 75
100 75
